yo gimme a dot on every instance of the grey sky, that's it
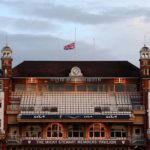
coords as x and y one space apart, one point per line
38 30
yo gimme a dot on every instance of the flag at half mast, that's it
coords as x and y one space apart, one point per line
69 46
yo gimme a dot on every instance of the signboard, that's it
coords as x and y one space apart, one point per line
72 142
22 116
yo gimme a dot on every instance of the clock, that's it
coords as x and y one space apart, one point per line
75 71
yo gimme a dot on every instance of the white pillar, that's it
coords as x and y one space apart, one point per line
2 111
148 110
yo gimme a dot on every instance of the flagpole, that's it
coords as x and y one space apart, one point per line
75 35
94 43
144 40
75 30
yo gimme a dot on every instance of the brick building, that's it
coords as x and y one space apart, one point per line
74 105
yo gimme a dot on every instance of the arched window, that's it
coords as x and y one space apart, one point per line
97 130
33 131
75 130
143 55
55 131
146 55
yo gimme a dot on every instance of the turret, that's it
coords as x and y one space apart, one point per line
145 62
145 87
6 61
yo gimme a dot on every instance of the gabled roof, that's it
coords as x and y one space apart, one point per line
63 68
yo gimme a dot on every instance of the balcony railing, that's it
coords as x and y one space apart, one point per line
13 107
13 139
138 140
138 107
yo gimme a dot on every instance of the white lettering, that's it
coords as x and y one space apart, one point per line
111 117
39 116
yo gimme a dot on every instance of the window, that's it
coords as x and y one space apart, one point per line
103 87
58 87
20 87
70 87
33 131
97 131
81 88
55 131
92 88
137 131
75 130
118 132
31 87
119 87
131 87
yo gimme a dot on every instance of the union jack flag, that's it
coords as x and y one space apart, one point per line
69 46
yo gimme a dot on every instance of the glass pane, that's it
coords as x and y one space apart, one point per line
81 134
76 134
124 134
119 87
70 134
20 87
96 134
112 134
60 134
48 134
50 87
81 87
31 87
92 88
59 87
102 134
137 131
54 134
131 87
118 134
70 88
91 134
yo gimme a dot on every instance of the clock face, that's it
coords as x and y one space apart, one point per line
75 71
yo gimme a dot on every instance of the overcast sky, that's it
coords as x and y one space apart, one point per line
39 29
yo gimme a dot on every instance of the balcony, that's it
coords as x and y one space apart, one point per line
138 140
139 109
73 105
2 135
13 109
17 140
